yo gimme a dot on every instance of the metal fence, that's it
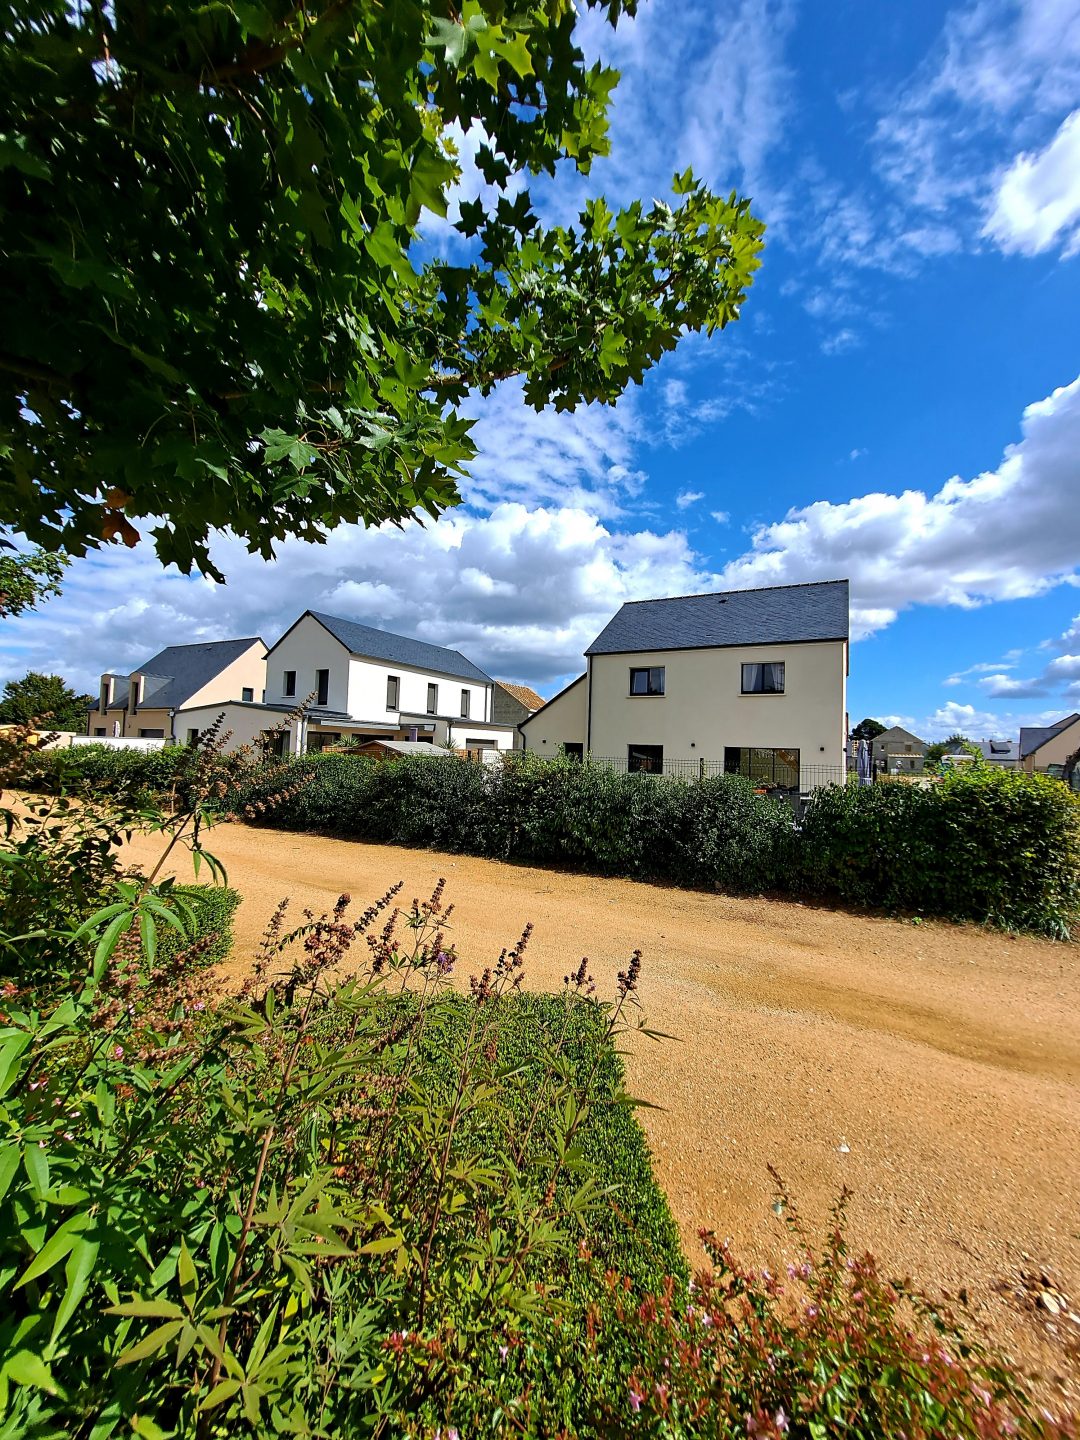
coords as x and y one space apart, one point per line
811 777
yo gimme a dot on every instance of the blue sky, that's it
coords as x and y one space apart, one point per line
900 403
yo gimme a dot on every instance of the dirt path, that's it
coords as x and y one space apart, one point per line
946 1059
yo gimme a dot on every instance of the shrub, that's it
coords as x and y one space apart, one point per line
139 775
980 844
209 910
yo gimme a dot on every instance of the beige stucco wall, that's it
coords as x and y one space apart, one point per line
246 671
560 722
1056 750
122 723
245 722
703 708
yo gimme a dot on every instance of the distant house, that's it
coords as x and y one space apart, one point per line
1043 747
355 682
1005 753
513 704
897 750
752 682
151 701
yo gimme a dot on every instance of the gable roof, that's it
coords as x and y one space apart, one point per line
564 691
776 615
999 750
897 732
372 644
1033 737
523 694
176 673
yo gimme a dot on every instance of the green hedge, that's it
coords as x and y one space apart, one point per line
983 844
135 774
213 908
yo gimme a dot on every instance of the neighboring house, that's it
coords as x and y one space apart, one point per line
897 750
1005 753
1044 746
355 682
749 681
513 704
150 702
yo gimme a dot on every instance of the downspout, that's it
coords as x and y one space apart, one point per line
588 706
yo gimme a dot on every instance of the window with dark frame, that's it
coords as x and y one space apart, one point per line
432 699
322 686
193 736
772 767
763 679
645 759
247 692
649 680
393 687
465 697
573 749
288 683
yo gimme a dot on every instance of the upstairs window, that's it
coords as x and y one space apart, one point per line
766 679
465 704
393 686
247 693
648 681
322 686
288 683
432 699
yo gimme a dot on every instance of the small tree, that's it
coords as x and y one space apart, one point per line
868 730
26 580
955 744
44 697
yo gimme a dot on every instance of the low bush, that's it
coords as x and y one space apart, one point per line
208 912
982 844
143 775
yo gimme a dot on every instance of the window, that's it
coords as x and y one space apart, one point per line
648 681
645 759
432 699
573 750
151 734
99 730
322 686
393 688
193 736
247 693
764 766
464 704
767 679
474 743
288 683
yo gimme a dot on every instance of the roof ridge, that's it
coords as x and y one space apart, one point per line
745 590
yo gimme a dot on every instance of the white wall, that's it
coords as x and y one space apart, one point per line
462 731
703 708
358 686
116 742
560 722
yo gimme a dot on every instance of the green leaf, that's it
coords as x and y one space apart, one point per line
151 1344
26 1368
79 1268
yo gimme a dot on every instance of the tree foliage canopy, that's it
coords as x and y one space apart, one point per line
868 729
28 578
46 698
219 306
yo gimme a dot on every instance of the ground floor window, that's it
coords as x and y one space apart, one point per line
573 750
151 734
321 739
475 744
193 737
99 730
273 742
763 765
645 759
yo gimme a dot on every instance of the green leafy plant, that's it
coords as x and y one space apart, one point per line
249 318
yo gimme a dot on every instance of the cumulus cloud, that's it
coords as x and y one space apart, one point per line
1037 204
1000 686
722 517
685 498
1004 535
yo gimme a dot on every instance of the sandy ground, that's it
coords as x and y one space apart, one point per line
946 1059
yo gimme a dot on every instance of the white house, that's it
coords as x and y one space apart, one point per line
356 682
751 682
151 703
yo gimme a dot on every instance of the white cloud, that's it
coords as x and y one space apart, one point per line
1006 534
858 454
845 339
979 724
1038 200
1000 685
982 667
685 498
722 517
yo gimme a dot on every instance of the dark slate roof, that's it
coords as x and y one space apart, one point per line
999 750
778 615
174 674
375 644
1032 736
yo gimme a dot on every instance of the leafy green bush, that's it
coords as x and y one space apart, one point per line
981 844
143 775
209 910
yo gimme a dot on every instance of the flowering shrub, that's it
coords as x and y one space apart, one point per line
835 1349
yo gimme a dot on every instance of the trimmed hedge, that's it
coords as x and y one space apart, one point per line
141 775
983 844
213 908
